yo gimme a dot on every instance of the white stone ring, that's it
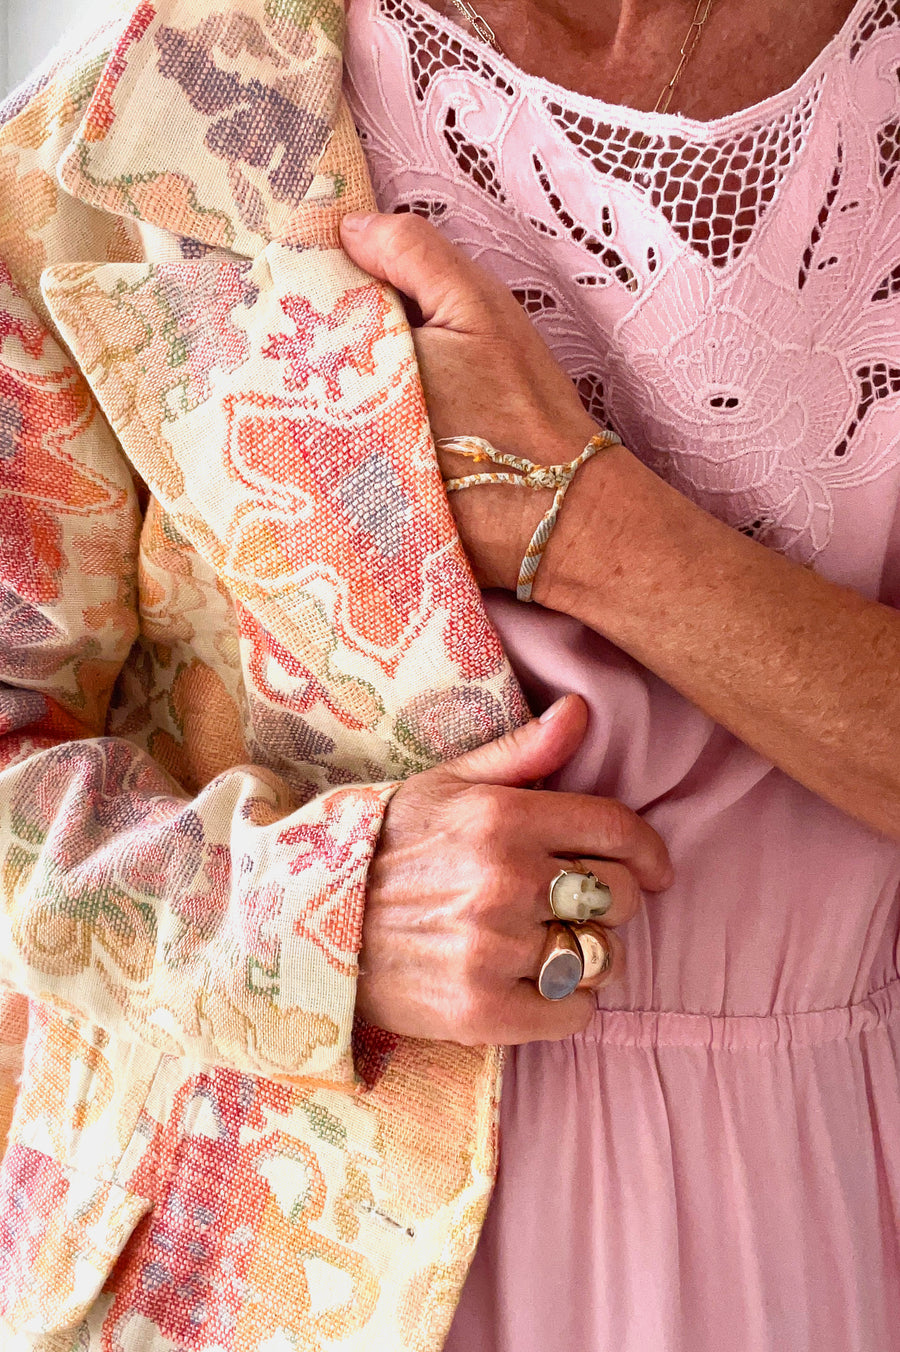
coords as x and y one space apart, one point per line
576 896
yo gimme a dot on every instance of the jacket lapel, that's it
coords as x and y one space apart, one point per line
210 119
268 392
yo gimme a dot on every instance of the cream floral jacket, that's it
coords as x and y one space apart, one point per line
235 614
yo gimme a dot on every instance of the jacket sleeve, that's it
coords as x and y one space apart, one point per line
222 927
272 406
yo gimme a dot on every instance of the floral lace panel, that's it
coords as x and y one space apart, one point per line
581 234
429 208
430 51
713 194
720 295
821 222
876 380
473 160
592 395
535 301
889 286
884 14
889 148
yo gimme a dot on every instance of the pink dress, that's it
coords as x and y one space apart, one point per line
714 1166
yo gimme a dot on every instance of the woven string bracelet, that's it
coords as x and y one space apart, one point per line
528 475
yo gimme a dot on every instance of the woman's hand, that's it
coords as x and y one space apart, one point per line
803 671
457 904
486 372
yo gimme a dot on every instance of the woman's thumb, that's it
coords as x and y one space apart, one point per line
527 753
411 255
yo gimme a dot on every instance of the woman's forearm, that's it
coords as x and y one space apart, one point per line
805 672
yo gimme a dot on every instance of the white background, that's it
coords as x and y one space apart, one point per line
30 29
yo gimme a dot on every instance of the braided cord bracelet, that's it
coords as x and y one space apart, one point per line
529 475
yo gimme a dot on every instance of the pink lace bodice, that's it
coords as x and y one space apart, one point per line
725 294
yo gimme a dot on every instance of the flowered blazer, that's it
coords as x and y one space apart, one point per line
235 615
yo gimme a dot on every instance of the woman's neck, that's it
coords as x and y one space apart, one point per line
626 51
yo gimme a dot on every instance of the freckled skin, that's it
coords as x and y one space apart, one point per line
626 51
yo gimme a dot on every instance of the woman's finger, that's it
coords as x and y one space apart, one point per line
582 826
604 955
529 752
625 894
450 290
523 1015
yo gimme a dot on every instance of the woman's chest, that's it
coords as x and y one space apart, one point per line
739 51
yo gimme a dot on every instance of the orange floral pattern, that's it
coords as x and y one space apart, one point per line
234 612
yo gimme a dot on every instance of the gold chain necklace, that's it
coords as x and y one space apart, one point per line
481 26
692 37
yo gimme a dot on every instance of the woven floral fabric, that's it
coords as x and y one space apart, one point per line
235 615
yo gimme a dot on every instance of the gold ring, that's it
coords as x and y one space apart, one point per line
576 896
596 950
563 964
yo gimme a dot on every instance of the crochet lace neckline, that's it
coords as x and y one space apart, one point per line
724 294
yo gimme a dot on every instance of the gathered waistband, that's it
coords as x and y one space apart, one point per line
743 1032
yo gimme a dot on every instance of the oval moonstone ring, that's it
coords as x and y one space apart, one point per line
576 897
563 964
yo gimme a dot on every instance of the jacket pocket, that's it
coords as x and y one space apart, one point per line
61 1232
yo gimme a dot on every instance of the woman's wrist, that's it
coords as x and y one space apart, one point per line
585 549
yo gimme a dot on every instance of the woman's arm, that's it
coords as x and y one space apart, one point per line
803 671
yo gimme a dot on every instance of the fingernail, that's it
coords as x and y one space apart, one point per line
553 710
356 220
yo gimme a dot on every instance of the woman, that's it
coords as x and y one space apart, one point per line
694 1178
737 1085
